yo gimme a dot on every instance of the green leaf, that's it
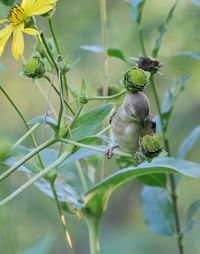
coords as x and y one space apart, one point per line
92 48
8 2
136 9
154 180
96 199
162 30
188 143
1 68
117 53
195 55
190 221
170 97
87 123
41 245
42 119
158 211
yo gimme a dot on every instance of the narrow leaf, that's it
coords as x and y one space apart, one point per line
195 55
136 9
48 120
154 180
190 221
162 30
87 123
171 95
188 143
158 211
92 48
96 199
117 53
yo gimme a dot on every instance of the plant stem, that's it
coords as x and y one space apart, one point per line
93 227
62 220
81 175
23 120
108 97
53 34
104 43
19 141
68 141
48 50
56 90
140 30
35 178
26 158
171 177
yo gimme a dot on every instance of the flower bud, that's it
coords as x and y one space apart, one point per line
34 68
151 145
136 79
5 149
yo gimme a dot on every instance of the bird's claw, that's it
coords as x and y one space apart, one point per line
138 157
109 151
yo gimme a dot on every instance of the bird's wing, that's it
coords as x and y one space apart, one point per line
113 115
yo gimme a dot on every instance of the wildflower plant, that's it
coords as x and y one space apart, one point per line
75 137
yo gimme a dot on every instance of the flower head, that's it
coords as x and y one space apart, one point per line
17 17
136 79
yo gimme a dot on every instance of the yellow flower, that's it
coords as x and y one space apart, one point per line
17 17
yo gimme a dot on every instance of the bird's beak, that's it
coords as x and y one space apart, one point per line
142 124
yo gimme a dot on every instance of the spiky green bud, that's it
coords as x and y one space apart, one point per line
136 79
34 68
151 145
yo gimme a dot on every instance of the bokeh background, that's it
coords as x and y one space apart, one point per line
32 216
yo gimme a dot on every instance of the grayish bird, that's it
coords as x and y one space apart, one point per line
131 121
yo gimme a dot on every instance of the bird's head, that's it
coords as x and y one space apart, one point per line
136 106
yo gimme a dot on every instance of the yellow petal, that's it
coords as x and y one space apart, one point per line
5 38
39 10
30 31
27 3
3 21
19 38
14 47
5 31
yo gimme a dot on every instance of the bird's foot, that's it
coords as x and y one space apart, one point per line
109 151
138 157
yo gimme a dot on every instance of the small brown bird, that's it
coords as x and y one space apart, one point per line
131 121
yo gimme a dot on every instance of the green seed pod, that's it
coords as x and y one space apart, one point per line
34 68
151 145
136 79
5 149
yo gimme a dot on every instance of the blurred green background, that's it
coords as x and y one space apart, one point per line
33 215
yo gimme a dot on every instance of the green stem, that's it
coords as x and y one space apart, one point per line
56 90
54 36
171 177
19 141
68 141
93 227
35 178
104 43
108 97
62 220
140 30
26 158
81 175
23 120
48 50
